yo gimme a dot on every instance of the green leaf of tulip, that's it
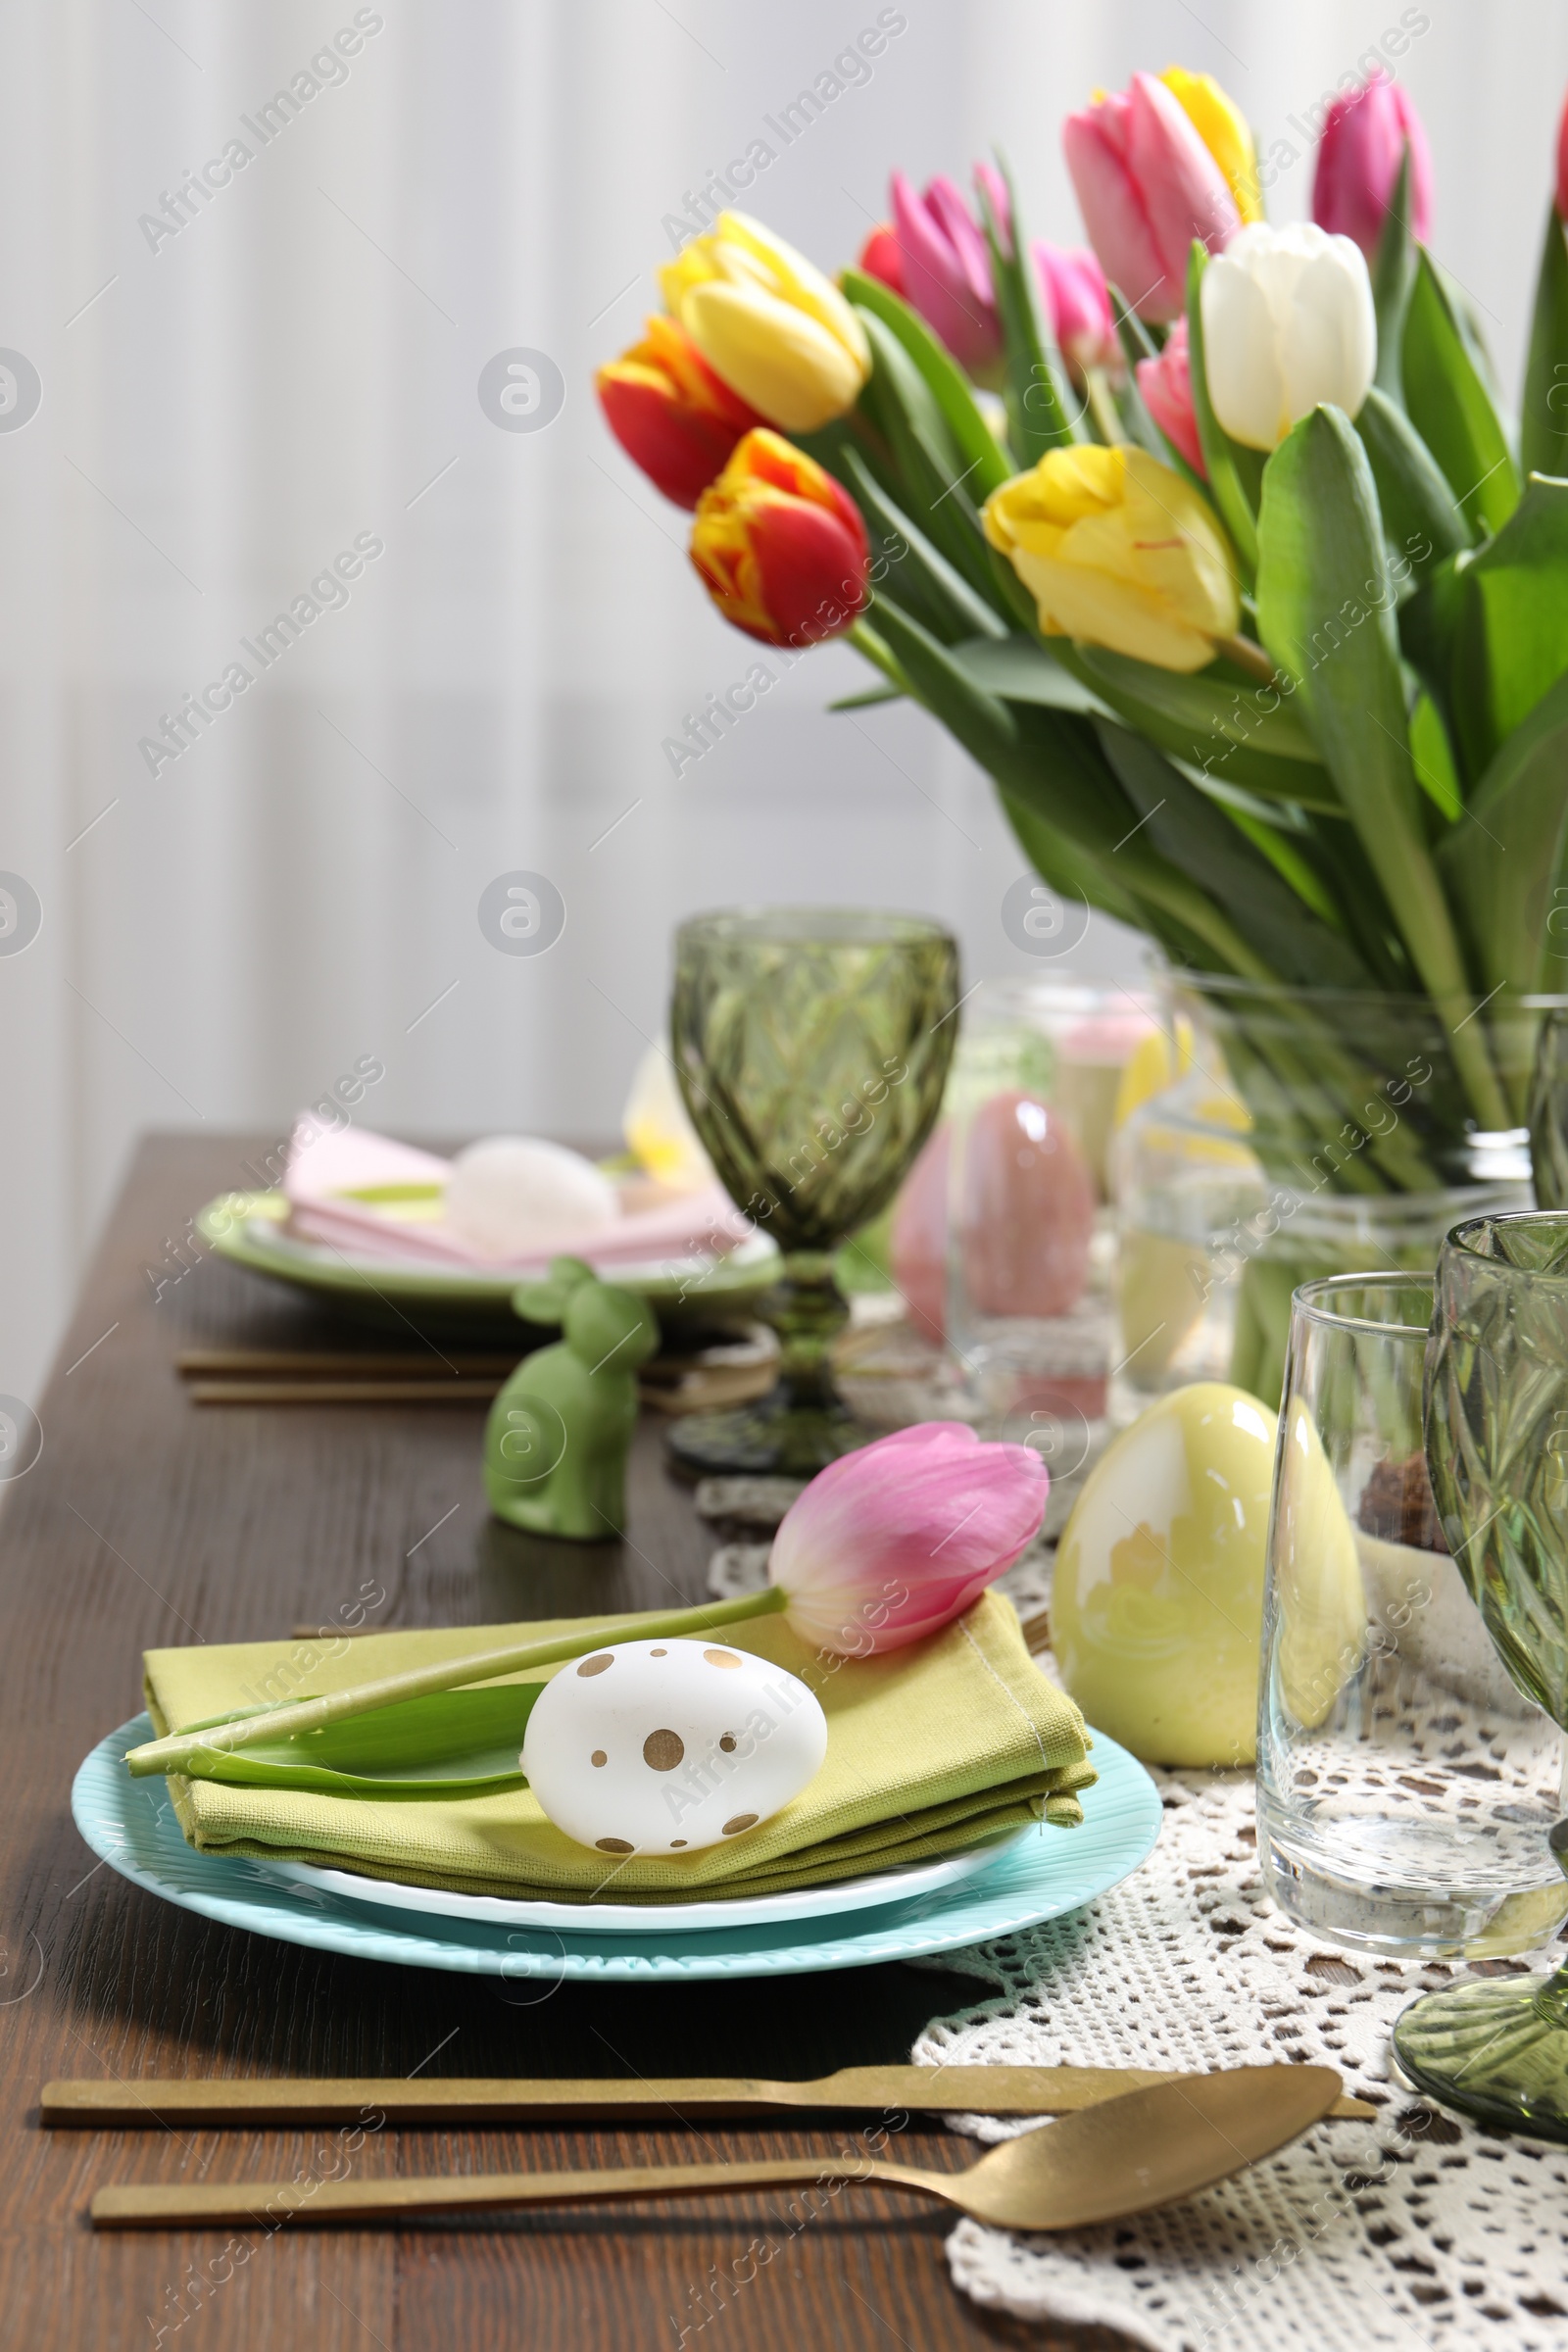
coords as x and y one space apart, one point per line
1039 416
1393 276
986 464
1504 856
1449 404
1324 606
1234 474
958 609
448 1744
1422 523
1509 641
1543 410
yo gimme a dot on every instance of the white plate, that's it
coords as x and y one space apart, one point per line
897 1886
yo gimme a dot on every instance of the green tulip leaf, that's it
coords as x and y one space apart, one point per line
1431 757
1020 670
930 486
1219 722
1393 276
1543 410
944 592
869 701
1449 404
1234 474
1049 761
1201 840
1040 415
1421 524
945 380
1509 639
1325 609
448 1743
1504 858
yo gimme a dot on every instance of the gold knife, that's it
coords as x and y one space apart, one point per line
683 2098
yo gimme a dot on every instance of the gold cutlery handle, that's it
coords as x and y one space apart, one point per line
264 2204
255 2101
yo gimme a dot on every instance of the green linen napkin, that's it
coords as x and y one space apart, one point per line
958 1738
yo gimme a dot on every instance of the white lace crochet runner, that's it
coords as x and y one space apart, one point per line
1417 2229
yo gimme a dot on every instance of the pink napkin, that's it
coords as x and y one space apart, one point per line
325 1167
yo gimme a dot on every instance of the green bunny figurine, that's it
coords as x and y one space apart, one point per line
558 1436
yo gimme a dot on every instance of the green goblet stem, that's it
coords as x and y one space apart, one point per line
807 1310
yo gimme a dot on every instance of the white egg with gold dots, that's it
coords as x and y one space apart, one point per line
666 1747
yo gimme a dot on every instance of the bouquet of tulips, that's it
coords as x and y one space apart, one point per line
1212 545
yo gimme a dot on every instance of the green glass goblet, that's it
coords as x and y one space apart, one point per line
811 1045
1496 1436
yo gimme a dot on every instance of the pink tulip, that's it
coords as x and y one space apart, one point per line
1147 186
894 1541
947 271
1358 158
1166 384
1076 296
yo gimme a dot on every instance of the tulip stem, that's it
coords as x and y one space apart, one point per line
1103 408
1249 656
221 1736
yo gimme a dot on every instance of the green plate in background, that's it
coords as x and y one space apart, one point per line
248 1229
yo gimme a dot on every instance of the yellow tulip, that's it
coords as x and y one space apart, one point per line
779 332
1118 550
1224 130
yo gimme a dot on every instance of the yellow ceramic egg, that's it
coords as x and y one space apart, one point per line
1321 1626
1158 1609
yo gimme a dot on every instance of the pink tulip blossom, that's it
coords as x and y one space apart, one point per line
894 1542
1147 186
1079 305
1358 158
1166 384
947 271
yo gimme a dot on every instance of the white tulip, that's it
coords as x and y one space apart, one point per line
1287 324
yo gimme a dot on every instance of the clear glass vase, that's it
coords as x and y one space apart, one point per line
1314 1132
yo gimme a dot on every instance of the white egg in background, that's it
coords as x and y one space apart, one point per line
664 1747
515 1194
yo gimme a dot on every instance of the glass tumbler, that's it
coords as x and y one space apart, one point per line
1406 1784
1030 1237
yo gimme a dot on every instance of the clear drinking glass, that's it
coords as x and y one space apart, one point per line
1406 1784
1030 1237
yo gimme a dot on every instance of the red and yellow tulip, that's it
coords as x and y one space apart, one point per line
779 547
671 412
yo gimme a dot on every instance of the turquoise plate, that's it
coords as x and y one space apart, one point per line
132 1824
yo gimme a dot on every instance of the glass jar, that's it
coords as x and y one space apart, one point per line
1314 1132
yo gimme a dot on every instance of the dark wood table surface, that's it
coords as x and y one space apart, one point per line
148 1521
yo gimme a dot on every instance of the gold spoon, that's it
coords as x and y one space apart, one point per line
1123 2156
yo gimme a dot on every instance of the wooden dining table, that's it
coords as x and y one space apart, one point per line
148 1520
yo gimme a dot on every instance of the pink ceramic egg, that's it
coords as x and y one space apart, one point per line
917 1249
1028 1209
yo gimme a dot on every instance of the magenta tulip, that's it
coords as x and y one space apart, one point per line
1147 186
947 271
1166 384
894 1542
1358 158
1075 288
